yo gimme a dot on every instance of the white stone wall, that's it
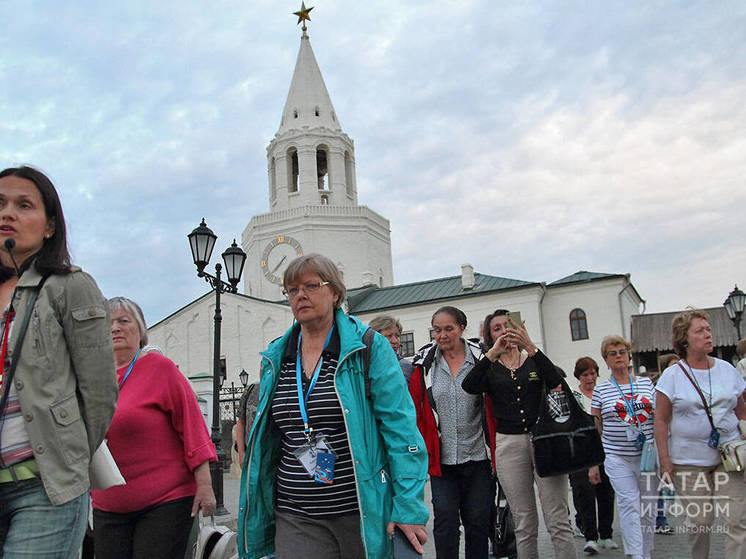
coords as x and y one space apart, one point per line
354 237
600 301
249 325
416 318
247 328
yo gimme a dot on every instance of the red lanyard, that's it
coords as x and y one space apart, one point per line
4 350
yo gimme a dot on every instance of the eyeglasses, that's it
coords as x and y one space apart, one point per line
614 352
307 288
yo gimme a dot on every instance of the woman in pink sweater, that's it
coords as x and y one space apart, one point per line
159 439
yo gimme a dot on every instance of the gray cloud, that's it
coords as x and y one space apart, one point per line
531 140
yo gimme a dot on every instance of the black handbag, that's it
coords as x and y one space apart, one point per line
565 437
503 529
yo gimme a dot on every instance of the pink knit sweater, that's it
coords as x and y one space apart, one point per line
157 437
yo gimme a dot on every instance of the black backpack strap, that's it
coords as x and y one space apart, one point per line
368 341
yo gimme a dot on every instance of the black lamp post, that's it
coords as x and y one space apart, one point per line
734 307
202 241
243 376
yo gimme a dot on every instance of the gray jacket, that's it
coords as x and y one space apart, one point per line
65 379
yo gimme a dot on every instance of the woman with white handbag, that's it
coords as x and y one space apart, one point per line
698 404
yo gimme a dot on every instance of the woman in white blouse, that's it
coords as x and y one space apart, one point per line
687 442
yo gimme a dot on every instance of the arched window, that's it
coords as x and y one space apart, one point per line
292 170
578 325
322 168
324 200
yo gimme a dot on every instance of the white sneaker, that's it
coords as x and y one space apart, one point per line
577 532
591 547
608 544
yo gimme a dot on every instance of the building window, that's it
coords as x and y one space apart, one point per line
316 111
324 200
407 344
578 325
322 168
293 170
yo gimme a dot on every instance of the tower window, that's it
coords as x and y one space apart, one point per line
292 170
272 179
322 168
578 325
295 113
316 111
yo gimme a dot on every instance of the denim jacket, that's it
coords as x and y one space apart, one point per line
65 378
389 455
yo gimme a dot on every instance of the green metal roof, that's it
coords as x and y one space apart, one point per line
583 276
372 298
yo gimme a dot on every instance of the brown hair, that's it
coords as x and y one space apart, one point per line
680 328
321 265
488 341
583 364
665 360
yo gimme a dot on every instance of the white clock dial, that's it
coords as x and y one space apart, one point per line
278 253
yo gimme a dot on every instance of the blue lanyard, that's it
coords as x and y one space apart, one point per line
299 381
630 409
129 369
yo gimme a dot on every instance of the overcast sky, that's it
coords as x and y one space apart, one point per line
530 139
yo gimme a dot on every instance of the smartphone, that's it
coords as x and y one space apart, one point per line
515 317
402 547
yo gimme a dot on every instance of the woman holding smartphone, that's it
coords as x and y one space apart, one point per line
514 373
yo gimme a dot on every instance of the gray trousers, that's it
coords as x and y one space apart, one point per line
516 474
328 537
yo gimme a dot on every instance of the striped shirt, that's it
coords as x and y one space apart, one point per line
297 492
616 417
16 446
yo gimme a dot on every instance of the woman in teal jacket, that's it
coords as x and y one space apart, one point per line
379 468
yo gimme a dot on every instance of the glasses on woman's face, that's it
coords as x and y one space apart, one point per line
615 352
307 288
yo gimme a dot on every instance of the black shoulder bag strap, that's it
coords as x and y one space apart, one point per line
8 377
704 402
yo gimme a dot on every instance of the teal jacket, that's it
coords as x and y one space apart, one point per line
389 455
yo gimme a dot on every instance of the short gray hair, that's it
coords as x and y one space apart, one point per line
321 265
384 322
128 305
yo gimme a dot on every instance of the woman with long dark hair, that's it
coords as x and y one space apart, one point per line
59 389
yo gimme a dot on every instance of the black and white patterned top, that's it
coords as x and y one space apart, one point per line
297 492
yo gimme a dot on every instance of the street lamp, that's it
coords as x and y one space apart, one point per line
243 376
734 307
202 241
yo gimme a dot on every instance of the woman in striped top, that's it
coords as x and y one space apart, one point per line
334 459
623 407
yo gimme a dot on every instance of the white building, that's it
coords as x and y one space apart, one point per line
314 207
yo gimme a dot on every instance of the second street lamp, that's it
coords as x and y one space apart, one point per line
202 241
734 307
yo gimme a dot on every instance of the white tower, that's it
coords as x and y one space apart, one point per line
313 195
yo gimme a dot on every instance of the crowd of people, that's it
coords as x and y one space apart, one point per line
339 437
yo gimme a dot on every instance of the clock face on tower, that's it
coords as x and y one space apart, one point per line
278 253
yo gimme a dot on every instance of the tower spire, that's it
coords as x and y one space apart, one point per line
303 16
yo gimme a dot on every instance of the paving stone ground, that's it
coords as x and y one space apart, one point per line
672 546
